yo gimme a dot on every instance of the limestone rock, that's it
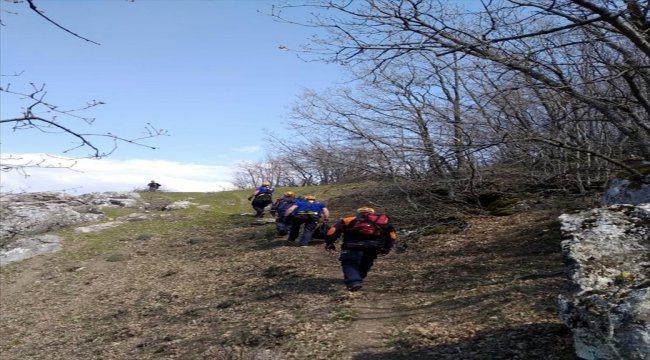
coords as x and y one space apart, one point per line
112 199
97 227
631 190
35 213
25 217
608 263
178 205
28 247
624 191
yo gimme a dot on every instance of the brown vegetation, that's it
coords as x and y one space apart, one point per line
204 285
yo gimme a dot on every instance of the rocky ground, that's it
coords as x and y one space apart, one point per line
198 284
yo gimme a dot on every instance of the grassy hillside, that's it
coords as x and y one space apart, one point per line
210 283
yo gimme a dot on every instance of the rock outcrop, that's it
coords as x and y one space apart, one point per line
26 217
36 213
28 247
608 261
626 191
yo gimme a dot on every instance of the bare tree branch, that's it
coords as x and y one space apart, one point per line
40 13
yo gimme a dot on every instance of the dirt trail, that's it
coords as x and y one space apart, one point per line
456 296
370 309
369 329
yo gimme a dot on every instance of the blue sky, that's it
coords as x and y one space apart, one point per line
212 73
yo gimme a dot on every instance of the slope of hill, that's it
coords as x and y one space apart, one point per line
211 283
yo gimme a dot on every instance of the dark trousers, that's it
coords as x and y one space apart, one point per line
259 207
282 224
310 226
356 263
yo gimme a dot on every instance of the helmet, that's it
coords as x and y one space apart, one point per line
289 194
310 197
266 183
365 209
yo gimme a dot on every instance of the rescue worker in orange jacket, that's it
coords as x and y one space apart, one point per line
365 235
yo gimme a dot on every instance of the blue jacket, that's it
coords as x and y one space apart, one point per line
307 209
264 190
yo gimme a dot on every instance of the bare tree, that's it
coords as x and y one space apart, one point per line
252 174
37 114
590 55
41 116
35 9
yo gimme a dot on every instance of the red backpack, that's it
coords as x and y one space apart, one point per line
369 224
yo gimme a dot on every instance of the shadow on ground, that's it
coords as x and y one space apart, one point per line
507 344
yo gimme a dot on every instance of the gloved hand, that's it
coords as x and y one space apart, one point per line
250 197
330 247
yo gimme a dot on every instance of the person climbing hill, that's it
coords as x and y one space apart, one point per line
279 208
308 212
262 197
365 235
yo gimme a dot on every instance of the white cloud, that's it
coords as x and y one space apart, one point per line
98 175
248 149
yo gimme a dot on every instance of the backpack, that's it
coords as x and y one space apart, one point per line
281 206
369 225
263 199
284 204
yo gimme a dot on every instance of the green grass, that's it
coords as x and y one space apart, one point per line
278 271
113 213
400 341
224 209
344 313
116 257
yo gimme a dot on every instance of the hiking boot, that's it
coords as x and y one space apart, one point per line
355 287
